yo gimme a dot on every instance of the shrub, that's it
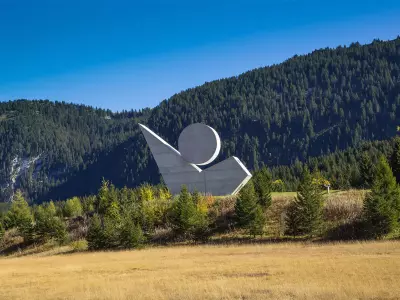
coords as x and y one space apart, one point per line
278 186
79 245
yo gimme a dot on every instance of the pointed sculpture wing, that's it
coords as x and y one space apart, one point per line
224 178
173 168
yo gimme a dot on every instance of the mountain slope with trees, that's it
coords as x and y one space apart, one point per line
308 106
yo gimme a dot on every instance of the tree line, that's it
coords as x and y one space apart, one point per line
131 218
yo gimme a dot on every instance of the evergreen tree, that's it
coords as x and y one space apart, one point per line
95 236
382 204
149 207
246 205
20 216
305 212
112 225
131 236
186 218
202 222
2 231
48 225
103 197
367 170
263 186
395 159
88 204
256 226
72 208
292 220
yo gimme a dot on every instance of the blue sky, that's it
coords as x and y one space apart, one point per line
131 54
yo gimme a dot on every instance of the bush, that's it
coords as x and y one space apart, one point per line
79 245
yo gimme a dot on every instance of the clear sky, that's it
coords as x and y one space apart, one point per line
133 54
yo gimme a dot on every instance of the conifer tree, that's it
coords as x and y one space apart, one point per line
112 225
149 207
131 234
382 204
189 218
246 205
184 211
367 170
201 223
103 197
73 208
292 220
263 186
88 204
95 236
48 225
395 159
305 212
20 216
2 231
256 226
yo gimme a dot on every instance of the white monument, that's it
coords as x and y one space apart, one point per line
199 145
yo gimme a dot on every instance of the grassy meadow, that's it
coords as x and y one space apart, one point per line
369 270
231 265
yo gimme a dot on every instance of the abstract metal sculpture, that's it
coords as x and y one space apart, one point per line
199 145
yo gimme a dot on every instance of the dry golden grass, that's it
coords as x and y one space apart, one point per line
344 206
280 271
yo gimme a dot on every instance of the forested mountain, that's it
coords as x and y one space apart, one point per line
309 105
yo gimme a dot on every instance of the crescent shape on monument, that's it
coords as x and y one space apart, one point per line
199 144
224 178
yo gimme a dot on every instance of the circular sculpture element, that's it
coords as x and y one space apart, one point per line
199 144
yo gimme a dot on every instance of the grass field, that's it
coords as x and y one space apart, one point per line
272 271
